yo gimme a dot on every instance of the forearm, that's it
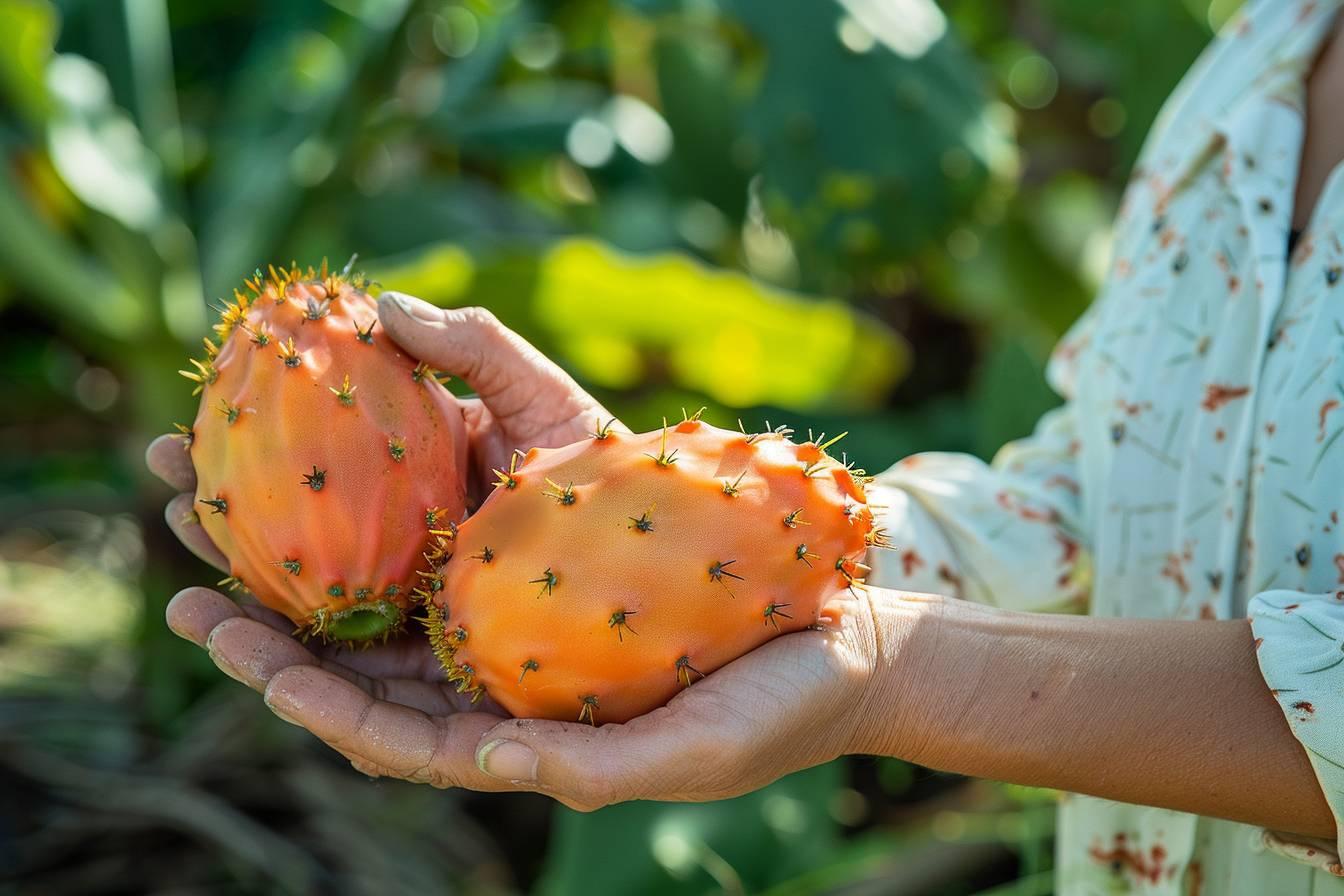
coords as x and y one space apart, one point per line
1155 712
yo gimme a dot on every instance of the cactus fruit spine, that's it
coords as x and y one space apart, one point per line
601 578
321 453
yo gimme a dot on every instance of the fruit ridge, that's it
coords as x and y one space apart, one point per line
601 578
321 452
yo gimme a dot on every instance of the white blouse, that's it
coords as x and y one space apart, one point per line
1196 470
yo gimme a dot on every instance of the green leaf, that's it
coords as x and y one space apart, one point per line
628 321
1020 276
426 211
871 130
697 72
289 114
154 103
97 149
527 119
463 79
1009 396
70 284
740 845
27 35
1140 51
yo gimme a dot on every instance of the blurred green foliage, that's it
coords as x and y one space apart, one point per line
872 215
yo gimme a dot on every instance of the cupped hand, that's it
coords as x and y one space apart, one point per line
340 690
798 701
524 399
428 732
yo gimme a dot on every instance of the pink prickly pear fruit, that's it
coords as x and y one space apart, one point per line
322 454
601 578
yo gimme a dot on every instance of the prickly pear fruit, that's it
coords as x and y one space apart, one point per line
321 454
601 578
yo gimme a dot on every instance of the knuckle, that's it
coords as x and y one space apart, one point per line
481 318
364 767
621 784
438 771
439 780
348 737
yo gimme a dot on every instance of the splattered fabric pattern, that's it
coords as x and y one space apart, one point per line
1196 469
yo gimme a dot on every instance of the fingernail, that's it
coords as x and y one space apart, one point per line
509 760
412 307
280 713
181 631
226 667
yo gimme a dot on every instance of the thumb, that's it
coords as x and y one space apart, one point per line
507 373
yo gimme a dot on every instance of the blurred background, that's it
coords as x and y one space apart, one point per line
872 215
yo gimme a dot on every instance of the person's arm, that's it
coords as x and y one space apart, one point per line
1156 712
1162 713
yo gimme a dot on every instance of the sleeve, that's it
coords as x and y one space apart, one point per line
1300 645
1006 533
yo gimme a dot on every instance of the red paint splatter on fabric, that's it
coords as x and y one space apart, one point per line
1194 878
1024 511
1217 395
1147 867
1132 410
946 574
1068 549
1059 480
1174 569
1326 407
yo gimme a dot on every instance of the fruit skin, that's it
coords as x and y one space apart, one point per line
319 447
601 578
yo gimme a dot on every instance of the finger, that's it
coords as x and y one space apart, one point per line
252 653
194 612
509 374
182 518
168 458
388 737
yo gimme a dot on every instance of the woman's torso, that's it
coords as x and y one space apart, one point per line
1209 392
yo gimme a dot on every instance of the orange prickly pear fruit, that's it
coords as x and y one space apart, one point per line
322 454
601 578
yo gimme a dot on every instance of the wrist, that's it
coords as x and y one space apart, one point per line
910 634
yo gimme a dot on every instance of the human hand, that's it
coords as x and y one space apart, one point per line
524 401
795 702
